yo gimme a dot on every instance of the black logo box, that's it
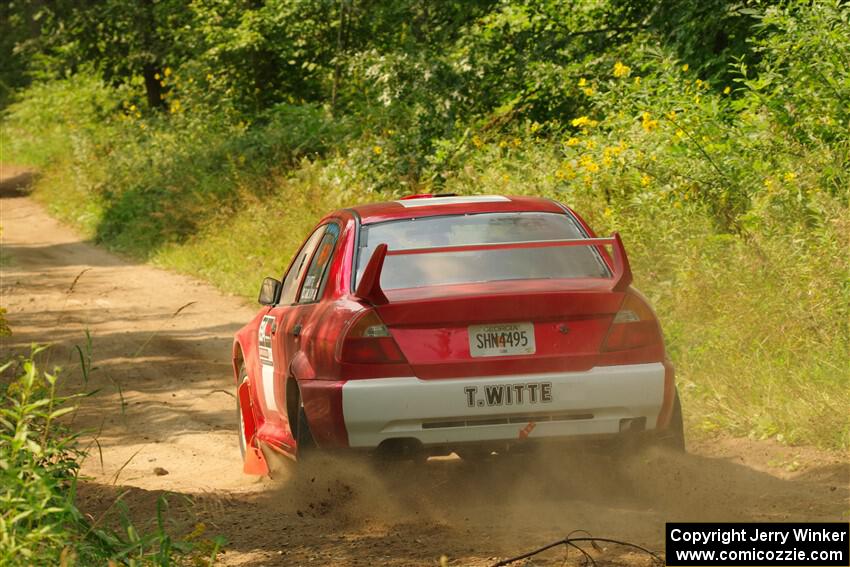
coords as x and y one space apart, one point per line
821 544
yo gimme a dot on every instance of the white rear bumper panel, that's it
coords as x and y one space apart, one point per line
461 410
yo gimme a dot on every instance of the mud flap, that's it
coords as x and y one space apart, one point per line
255 462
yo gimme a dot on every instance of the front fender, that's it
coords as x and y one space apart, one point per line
245 351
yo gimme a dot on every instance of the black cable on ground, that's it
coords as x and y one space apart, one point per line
573 542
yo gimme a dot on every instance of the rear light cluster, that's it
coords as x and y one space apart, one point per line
634 325
369 341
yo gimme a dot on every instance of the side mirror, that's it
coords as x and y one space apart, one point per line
268 291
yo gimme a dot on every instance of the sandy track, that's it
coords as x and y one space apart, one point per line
160 345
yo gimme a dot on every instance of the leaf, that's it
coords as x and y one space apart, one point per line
62 411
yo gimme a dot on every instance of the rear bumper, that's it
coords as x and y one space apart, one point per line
480 409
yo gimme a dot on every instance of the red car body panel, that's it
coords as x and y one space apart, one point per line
429 326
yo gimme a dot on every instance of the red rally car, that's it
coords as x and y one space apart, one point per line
434 324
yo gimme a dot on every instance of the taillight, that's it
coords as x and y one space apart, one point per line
369 341
634 325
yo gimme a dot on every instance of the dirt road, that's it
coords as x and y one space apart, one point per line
160 344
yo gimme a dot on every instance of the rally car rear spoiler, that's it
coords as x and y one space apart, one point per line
369 288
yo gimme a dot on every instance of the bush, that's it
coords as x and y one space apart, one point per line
39 461
40 458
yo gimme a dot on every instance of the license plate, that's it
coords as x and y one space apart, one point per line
501 339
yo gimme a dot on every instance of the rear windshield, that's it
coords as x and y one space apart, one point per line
442 268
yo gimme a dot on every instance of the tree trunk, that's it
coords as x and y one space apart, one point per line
153 87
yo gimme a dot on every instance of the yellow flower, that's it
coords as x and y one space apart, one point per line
789 176
768 183
680 133
580 121
506 178
535 126
167 71
621 70
637 80
132 108
589 91
671 115
175 106
572 142
582 82
727 90
209 77
589 144
156 76
565 172
476 141
588 164
685 67
645 180
647 122
516 142
607 212
377 150
503 144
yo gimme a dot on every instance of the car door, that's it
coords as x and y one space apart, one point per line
270 344
301 319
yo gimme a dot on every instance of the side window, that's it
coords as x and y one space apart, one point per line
317 271
298 267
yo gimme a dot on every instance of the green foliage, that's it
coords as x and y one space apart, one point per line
38 468
40 458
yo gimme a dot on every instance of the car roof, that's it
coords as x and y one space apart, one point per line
428 206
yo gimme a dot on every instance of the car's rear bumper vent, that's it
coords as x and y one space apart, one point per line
523 419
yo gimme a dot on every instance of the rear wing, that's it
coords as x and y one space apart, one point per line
369 288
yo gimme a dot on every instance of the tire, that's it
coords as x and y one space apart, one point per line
304 442
240 418
673 438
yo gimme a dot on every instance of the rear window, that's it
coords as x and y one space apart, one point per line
444 268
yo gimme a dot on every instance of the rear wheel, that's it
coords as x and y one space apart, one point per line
673 437
304 442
